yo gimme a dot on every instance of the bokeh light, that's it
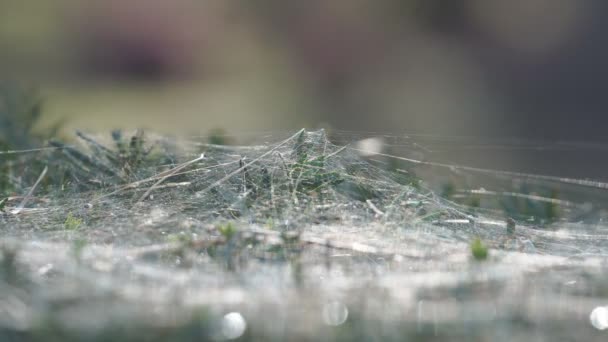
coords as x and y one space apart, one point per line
335 313
599 318
233 325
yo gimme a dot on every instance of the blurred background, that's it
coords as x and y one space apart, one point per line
486 69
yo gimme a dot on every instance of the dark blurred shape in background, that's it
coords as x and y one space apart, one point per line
151 40
533 69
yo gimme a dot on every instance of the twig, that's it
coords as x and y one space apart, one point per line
29 193
155 177
169 174
374 208
337 151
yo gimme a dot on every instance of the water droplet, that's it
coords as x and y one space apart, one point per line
233 325
599 318
335 313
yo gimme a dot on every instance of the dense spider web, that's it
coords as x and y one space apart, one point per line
171 234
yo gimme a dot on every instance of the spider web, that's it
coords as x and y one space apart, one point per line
124 238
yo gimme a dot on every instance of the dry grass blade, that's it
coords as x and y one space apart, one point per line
169 174
29 193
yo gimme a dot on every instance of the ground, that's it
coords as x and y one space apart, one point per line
292 236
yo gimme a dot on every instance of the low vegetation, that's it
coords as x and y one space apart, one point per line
134 236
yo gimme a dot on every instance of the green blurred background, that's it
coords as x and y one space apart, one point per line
486 68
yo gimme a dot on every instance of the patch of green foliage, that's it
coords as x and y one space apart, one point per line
180 238
479 250
131 152
534 203
218 136
115 165
72 222
310 175
308 172
528 209
228 230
